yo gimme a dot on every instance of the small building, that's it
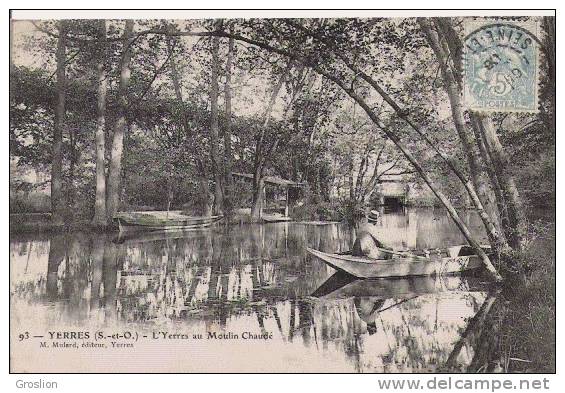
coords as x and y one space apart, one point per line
392 190
280 194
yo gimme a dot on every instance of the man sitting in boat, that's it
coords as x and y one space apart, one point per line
367 244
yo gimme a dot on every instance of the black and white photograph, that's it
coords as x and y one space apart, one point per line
282 192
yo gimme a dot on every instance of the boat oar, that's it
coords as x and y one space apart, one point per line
398 303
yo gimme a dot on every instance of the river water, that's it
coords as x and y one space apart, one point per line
239 298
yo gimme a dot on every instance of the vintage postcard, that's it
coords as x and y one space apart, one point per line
282 192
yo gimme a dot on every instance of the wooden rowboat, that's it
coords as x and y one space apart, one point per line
142 221
275 217
403 264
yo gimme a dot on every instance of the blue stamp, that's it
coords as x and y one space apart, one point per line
501 66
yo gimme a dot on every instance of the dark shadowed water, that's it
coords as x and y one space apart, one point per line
240 281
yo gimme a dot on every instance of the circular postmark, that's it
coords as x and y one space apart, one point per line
501 68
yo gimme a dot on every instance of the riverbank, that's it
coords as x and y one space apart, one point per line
526 332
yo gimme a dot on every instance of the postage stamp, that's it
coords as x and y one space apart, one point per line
501 66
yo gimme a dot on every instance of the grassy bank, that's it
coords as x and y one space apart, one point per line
528 331
518 333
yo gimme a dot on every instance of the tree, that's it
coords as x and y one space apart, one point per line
115 169
57 199
228 129
214 138
100 218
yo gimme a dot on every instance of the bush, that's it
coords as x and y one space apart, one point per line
316 209
33 202
352 210
536 180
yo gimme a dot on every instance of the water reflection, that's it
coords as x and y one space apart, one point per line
258 278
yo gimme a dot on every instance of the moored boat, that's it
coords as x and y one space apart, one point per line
159 221
450 261
275 217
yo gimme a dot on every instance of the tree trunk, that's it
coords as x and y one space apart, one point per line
363 165
177 87
227 133
350 181
513 202
257 202
114 173
214 138
207 200
494 183
375 177
100 218
73 160
57 199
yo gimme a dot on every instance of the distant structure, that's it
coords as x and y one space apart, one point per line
392 190
283 191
